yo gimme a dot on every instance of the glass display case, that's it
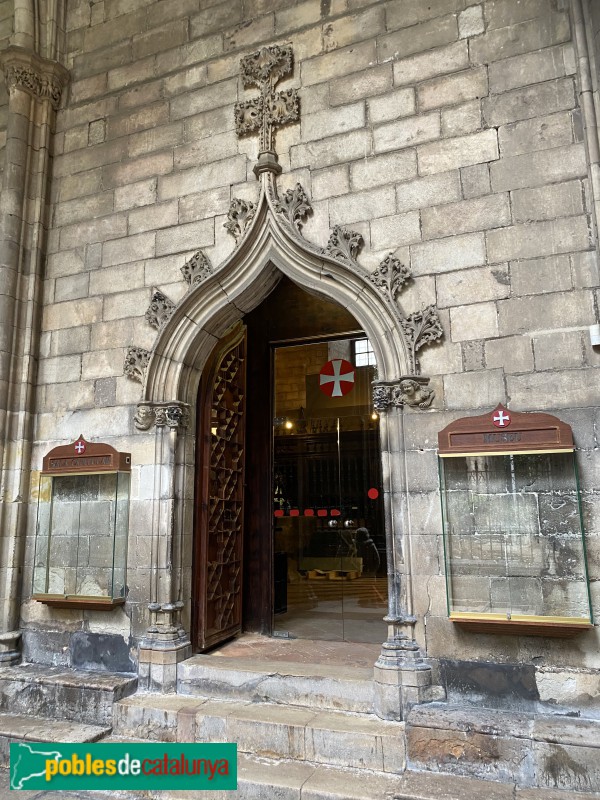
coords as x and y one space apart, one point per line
513 536
82 524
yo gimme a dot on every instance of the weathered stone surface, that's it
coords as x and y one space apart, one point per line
492 211
473 286
532 239
446 255
460 152
452 89
538 169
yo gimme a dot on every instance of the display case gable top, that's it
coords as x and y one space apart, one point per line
82 456
505 431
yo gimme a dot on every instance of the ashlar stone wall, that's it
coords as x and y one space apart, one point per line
448 132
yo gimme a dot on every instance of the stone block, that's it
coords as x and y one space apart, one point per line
105 392
474 389
471 22
569 767
548 202
354 28
405 13
290 19
479 214
513 353
161 138
72 315
476 321
584 269
362 206
142 95
247 34
511 73
215 18
544 312
68 396
330 182
83 208
207 150
373 81
60 369
378 170
132 121
447 255
394 231
333 150
423 192
558 350
440 61
407 132
125 304
183 238
136 72
463 151
462 119
161 215
399 103
208 176
530 101
501 13
135 195
79 185
137 169
168 35
475 180
202 205
71 287
88 158
102 364
453 89
425 36
123 251
70 340
523 37
332 122
539 168
528 240
338 63
224 93
472 286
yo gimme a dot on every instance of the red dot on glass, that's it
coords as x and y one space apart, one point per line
321 512
373 494
308 512
294 512
278 513
335 512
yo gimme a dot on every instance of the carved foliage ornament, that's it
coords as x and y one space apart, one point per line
160 310
344 244
197 269
39 77
136 362
240 215
295 206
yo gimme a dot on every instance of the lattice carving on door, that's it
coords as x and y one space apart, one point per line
225 499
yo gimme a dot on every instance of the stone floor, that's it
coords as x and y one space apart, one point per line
301 651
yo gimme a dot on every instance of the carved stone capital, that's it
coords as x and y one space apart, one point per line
136 362
173 415
408 391
39 77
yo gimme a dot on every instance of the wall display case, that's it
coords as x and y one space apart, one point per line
513 536
82 524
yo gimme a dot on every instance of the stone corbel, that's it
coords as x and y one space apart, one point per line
173 414
410 391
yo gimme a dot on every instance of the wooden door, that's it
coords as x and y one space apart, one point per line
220 494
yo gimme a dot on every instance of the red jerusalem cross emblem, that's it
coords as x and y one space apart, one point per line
337 377
80 447
501 418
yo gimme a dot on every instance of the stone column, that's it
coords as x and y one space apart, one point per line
166 642
34 86
402 676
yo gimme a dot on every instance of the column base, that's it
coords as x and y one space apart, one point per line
9 648
403 679
158 656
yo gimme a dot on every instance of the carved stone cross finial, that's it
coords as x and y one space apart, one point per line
264 69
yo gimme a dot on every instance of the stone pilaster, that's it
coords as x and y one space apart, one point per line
34 87
166 642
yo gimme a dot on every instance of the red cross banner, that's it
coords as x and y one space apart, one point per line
337 377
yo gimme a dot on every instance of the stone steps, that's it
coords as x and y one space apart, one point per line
314 686
22 728
42 691
267 730
556 752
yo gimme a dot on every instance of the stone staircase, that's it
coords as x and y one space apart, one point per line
54 704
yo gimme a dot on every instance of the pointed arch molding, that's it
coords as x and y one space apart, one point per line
270 244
